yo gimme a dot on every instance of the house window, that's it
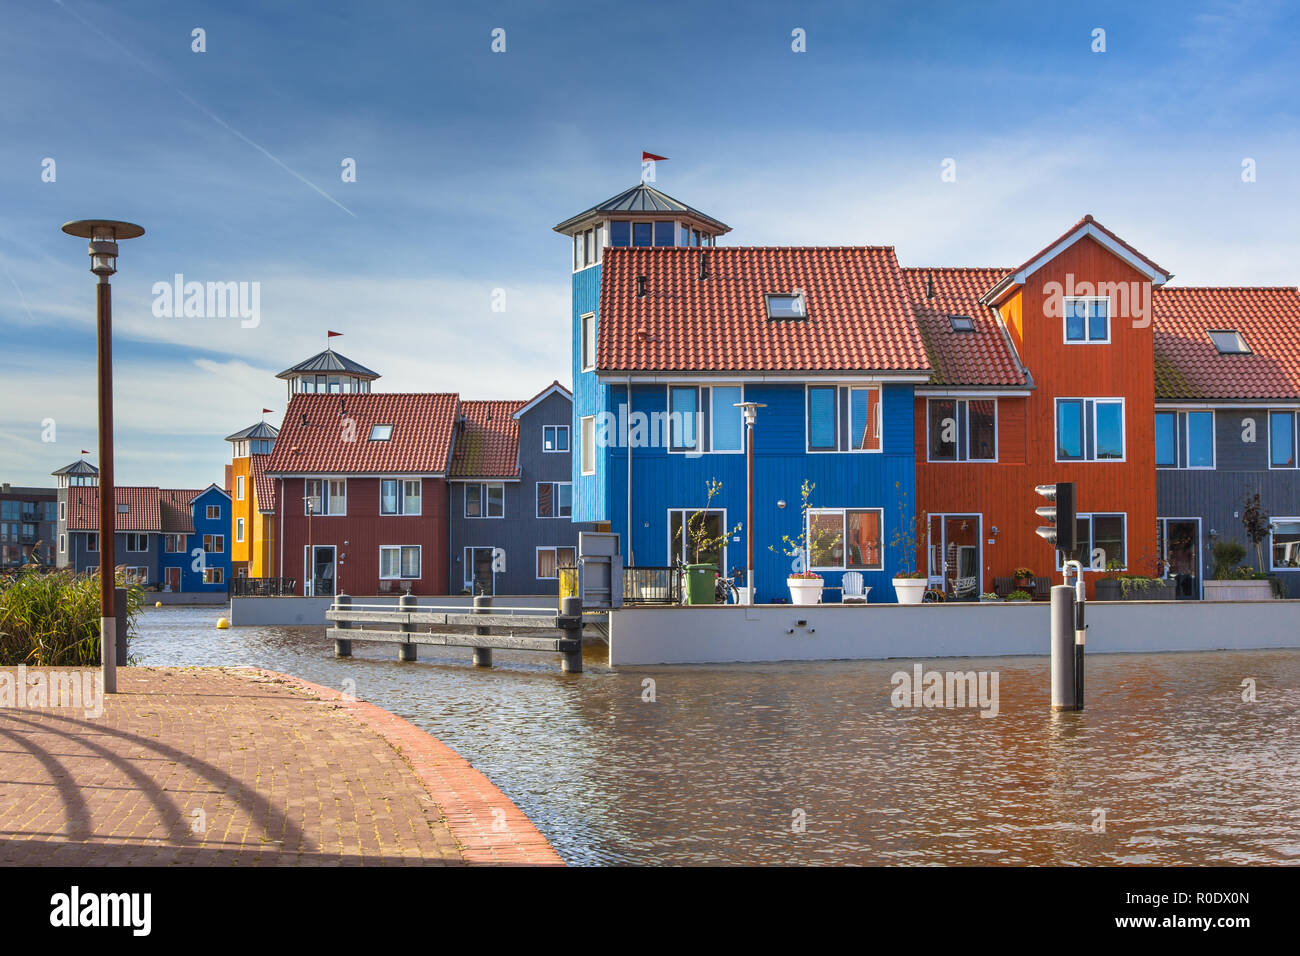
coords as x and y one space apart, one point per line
137 542
63 543
399 561
239 487
214 512
399 496
325 497
962 430
480 570
620 233
1102 541
550 560
727 421
1285 534
961 323
123 508
214 544
381 432
1185 439
486 500
845 539
92 542
214 575
63 511
589 342
642 233
786 305
554 499
683 417
136 575
1282 439
588 462
1089 429
264 446
239 529
682 525
1228 342
705 418
1087 319
555 438
843 418
664 233
173 543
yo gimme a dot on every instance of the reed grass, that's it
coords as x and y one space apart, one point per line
51 618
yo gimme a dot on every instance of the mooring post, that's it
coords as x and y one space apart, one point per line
406 651
571 625
1064 672
119 602
343 645
1080 639
482 655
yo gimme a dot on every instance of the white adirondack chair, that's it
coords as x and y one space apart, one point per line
854 592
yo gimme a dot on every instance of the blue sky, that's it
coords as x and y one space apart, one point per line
465 158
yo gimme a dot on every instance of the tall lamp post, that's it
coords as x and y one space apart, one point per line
104 235
750 410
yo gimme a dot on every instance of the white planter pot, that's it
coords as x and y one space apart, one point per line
805 590
910 590
1238 591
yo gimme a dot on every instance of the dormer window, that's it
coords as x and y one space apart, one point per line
1229 342
789 305
1087 319
381 432
961 323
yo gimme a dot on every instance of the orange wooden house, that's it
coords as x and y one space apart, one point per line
1042 374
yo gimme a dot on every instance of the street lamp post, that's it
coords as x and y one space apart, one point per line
750 410
104 235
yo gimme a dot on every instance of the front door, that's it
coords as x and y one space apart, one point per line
1180 540
320 570
955 554
173 579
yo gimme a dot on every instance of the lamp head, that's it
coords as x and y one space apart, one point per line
103 235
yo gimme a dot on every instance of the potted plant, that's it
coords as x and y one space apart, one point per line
909 537
1119 585
805 585
1024 577
989 597
1233 583
1020 596
702 576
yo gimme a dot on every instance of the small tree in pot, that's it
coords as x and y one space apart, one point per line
805 584
909 537
701 576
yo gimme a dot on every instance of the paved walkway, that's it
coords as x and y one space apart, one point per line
238 766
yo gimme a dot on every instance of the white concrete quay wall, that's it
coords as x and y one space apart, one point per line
310 611
707 635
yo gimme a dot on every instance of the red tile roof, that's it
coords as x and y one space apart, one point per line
174 507
1085 221
263 484
858 311
980 358
143 514
488 444
330 434
1188 366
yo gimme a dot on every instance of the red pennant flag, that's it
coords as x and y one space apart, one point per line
84 452
645 156
267 411
330 335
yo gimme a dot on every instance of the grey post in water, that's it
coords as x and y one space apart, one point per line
123 620
482 655
406 651
1063 655
343 645
571 624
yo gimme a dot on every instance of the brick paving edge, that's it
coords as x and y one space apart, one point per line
485 822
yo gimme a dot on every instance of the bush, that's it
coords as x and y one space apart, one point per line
1019 596
1227 555
51 619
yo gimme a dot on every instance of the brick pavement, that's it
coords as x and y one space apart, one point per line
218 766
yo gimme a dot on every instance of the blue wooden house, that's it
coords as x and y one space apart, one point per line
672 332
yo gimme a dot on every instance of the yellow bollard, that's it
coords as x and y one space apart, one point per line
568 583
157 603
222 624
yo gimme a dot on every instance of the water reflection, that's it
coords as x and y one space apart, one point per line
717 768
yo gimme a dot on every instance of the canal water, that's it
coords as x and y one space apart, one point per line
811 763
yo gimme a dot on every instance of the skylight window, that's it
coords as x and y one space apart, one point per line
786 305
381 432
123 509
961 323
1228 342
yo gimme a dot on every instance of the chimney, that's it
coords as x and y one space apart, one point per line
704 265
640 287
929 285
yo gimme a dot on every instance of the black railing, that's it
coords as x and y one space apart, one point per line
652 586
262 587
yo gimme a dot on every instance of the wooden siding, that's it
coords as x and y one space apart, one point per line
590 397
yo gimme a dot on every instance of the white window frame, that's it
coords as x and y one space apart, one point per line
1065 319
1180 451
214 512
837 450
328 499
1273 520
63 511
387 436
129 573
567 440
239 487
239 530
401 498
844 522
1087 565
705 437
555 549
63 544
1295 438
679 548
91 536
586 339
555 500
483 487
419 551
467 564
1096 400
963 457
218 544
219 572
138 537
587 462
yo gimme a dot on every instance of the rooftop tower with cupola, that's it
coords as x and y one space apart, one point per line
330 372
640 216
